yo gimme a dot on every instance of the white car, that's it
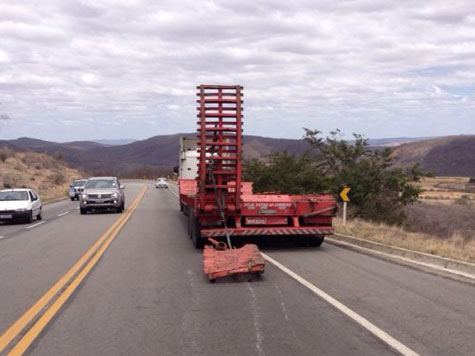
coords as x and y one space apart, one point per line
161 183
19 204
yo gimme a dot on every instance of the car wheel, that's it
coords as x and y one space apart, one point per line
39 216
73 199
83 211
29 218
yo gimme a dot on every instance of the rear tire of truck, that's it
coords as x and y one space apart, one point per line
316 240
198 241
189 223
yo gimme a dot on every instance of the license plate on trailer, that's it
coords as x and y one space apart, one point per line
6 216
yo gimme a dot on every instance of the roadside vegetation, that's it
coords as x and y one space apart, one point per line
402 207
49 176
457 244
379 191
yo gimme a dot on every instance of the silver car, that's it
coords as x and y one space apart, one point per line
76 188
102 193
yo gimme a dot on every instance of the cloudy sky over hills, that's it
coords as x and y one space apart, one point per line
121 68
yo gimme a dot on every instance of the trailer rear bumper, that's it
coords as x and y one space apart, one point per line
267 231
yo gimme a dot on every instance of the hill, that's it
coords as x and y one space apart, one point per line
154 156
449 156
49 176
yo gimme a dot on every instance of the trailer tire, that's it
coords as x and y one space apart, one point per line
198 241
316 240
189 223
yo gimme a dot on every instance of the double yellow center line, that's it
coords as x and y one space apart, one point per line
66 285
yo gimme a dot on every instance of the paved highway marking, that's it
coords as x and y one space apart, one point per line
173 192
62 214
379 333
35 225
92 255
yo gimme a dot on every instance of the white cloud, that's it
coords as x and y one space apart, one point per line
378 67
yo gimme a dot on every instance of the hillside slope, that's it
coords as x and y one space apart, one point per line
450 155
50 177
158 153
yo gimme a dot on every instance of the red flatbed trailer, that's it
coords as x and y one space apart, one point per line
219 191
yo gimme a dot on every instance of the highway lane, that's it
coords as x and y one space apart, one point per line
50 212
33 259
431 314
148 295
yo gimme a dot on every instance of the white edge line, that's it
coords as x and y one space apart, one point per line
62 214
175 194
379 333
35 225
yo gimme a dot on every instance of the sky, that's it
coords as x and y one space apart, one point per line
90 69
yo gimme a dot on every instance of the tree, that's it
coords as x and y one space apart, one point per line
379 190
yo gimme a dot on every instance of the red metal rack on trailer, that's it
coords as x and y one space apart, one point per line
220 206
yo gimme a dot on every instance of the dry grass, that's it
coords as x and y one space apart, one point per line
456 246
446 189
50 177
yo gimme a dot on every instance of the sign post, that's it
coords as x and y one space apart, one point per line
344 197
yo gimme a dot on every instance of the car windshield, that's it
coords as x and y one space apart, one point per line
13 196
78 183
100 183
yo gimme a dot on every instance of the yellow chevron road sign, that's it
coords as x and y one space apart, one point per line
344 194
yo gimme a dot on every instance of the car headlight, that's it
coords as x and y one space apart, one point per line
84 196
115 195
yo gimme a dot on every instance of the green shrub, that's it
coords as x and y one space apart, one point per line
379 191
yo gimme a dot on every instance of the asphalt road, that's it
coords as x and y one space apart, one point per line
148 296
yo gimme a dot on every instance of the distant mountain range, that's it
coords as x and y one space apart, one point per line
158 154
452 155
449 155
116 142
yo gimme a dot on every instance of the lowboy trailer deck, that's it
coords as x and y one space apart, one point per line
219 205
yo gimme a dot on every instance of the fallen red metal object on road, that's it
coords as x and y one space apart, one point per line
220 261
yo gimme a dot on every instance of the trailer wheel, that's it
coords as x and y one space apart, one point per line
198 241
189 223
316 240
